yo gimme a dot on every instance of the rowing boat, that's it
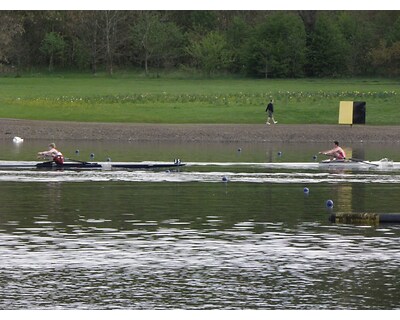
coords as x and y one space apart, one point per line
383 164
348 163
82 165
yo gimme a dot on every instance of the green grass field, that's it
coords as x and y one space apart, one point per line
136 99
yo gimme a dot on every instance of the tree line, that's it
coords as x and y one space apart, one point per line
267 44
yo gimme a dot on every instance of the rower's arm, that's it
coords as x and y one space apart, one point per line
44 154
330 151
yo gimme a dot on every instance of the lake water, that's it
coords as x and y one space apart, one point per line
202 237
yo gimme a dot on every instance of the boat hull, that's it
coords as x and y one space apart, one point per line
87 165
382 165
350 164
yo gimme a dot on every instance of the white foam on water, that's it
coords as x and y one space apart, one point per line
196 176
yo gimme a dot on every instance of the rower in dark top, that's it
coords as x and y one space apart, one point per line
337 153
53 154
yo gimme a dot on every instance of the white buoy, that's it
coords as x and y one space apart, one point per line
18 140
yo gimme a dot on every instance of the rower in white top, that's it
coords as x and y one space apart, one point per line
53 154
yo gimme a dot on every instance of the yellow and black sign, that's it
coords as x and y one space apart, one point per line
352 112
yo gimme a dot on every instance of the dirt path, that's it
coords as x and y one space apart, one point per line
57 130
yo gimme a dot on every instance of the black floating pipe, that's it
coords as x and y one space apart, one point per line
364 218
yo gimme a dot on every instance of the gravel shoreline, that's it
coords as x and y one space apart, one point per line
61 130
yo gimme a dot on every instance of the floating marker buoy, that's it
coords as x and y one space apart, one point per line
224 179
306 190
329 204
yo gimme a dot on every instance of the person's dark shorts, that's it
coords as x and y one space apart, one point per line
59 160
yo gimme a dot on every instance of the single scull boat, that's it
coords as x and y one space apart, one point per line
82 165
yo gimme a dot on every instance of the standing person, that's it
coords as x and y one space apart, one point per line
270 111
53 153
336 153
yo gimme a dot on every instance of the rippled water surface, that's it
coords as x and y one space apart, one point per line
190 239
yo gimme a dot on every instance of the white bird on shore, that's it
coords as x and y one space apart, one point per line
17 140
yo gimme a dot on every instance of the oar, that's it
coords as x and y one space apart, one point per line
363 161
79 161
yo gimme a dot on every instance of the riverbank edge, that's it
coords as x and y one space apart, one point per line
64 130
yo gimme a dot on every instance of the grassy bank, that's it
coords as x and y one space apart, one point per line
130 98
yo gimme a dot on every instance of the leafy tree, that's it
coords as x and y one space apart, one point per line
82 34
358 34
329 49
113 34
394 33
381 22
53 46
203 21
259 43
10 27
277 47
237 36
37 24
155 40
380 57
210 53
386 59
384 54
394 53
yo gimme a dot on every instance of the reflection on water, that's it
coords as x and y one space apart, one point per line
174 268
193 152
142 245
188 240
